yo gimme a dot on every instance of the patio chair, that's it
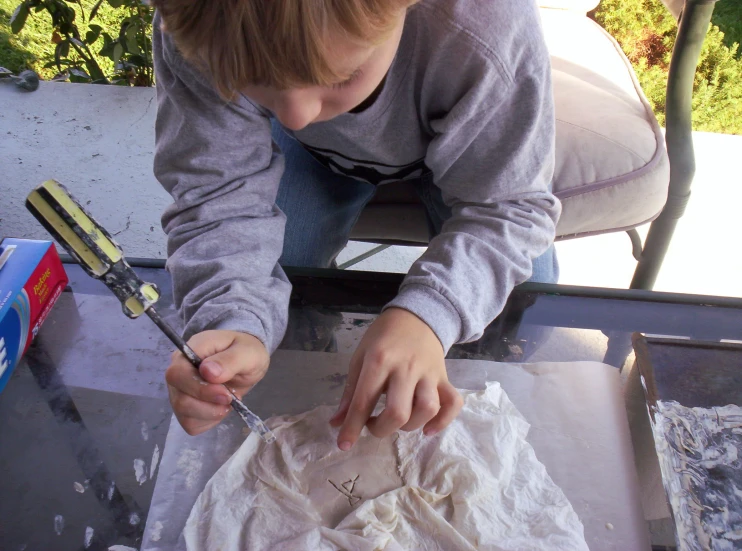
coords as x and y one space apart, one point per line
614 169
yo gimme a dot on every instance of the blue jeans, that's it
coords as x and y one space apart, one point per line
322 207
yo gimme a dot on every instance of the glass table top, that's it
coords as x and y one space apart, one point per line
89 399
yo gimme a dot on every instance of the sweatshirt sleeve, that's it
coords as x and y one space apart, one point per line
493 158
224 230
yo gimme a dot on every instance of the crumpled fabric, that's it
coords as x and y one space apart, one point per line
477 485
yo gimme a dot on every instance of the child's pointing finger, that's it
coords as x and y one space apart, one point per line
367 392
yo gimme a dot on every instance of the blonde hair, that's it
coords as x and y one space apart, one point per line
277 43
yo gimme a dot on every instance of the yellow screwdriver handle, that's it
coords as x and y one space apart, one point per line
91 245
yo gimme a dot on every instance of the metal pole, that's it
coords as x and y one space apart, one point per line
692 29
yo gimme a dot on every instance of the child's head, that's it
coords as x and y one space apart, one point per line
305 60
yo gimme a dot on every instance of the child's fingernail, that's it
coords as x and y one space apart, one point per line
345 445
212 368
223 400
431 432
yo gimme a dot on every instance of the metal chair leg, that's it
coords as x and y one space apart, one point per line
362 257
636 243
692 29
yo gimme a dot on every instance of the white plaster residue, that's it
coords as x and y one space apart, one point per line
145 431
140 471
111 488
190 463
156 532
79 487
58 524
154 463
88 536
121 548
134 519
223 441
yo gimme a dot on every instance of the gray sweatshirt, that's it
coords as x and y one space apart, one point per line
468 96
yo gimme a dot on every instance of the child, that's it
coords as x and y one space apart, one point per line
276 121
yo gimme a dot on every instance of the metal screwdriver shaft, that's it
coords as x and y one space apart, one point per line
253 421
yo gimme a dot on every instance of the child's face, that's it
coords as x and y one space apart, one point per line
365 68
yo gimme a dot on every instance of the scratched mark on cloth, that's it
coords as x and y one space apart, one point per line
346 489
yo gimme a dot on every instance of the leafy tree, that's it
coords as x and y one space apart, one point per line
79 52
646 32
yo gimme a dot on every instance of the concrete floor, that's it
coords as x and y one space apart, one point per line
99 141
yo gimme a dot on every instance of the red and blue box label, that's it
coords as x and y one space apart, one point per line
31 280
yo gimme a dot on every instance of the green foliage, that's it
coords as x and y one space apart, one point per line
27 51
80 40
646 32
728 17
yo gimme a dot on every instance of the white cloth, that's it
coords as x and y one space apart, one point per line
477 485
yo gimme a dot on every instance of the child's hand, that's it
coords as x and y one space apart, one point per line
237 359
402 357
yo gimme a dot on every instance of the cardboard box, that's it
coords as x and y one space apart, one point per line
31 280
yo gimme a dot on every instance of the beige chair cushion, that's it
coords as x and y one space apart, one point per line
395 216
612 171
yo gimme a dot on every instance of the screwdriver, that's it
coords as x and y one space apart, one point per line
102 258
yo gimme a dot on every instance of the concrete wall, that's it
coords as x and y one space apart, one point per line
96 140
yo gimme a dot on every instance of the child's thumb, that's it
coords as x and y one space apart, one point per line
212 371
225 365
